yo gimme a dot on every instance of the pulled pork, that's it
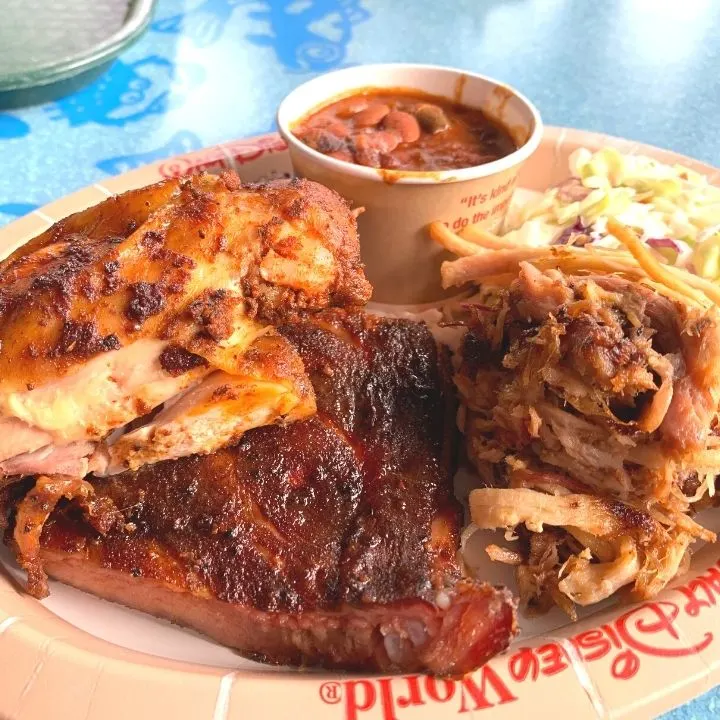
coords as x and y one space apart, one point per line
591 406
33 510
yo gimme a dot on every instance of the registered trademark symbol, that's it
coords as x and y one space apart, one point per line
331 692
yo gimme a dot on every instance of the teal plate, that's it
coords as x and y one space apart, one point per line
49 43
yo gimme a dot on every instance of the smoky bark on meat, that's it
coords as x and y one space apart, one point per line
593 401
330 541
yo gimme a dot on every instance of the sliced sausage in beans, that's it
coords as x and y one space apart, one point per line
404 124
371 115
405 130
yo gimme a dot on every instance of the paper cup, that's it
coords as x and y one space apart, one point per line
402 262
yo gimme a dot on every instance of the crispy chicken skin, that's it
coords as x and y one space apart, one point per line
331 541
117 273
98 312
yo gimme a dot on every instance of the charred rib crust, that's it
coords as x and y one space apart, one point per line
323 531
83 340
309 511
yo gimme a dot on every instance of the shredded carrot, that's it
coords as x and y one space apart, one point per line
484 263
494 260
650 265
452 242
502 280
486 239
664 290
585 262
709 288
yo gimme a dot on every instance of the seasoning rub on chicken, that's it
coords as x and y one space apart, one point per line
331 541
151 300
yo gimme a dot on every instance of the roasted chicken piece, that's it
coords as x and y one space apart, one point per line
330 541
122 307
269 385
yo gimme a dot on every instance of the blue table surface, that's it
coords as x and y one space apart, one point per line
208 71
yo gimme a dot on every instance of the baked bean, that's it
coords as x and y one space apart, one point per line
383 140
345 155
323 140
386 140
403 123
405 130
371 115
370 146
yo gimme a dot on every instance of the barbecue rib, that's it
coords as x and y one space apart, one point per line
119 308
330 541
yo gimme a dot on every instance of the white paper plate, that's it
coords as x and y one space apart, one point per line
74 656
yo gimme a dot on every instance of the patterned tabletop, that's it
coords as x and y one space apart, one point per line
209 71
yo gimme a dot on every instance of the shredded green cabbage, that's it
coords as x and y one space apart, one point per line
674 209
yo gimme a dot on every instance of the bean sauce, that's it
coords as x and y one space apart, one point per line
405 130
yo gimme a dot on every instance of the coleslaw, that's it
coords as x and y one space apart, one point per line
674 210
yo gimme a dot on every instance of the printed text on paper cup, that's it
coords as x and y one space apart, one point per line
483 206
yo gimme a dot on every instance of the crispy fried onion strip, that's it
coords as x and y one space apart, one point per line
486 263
32 513
626 545
486 258
470 241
